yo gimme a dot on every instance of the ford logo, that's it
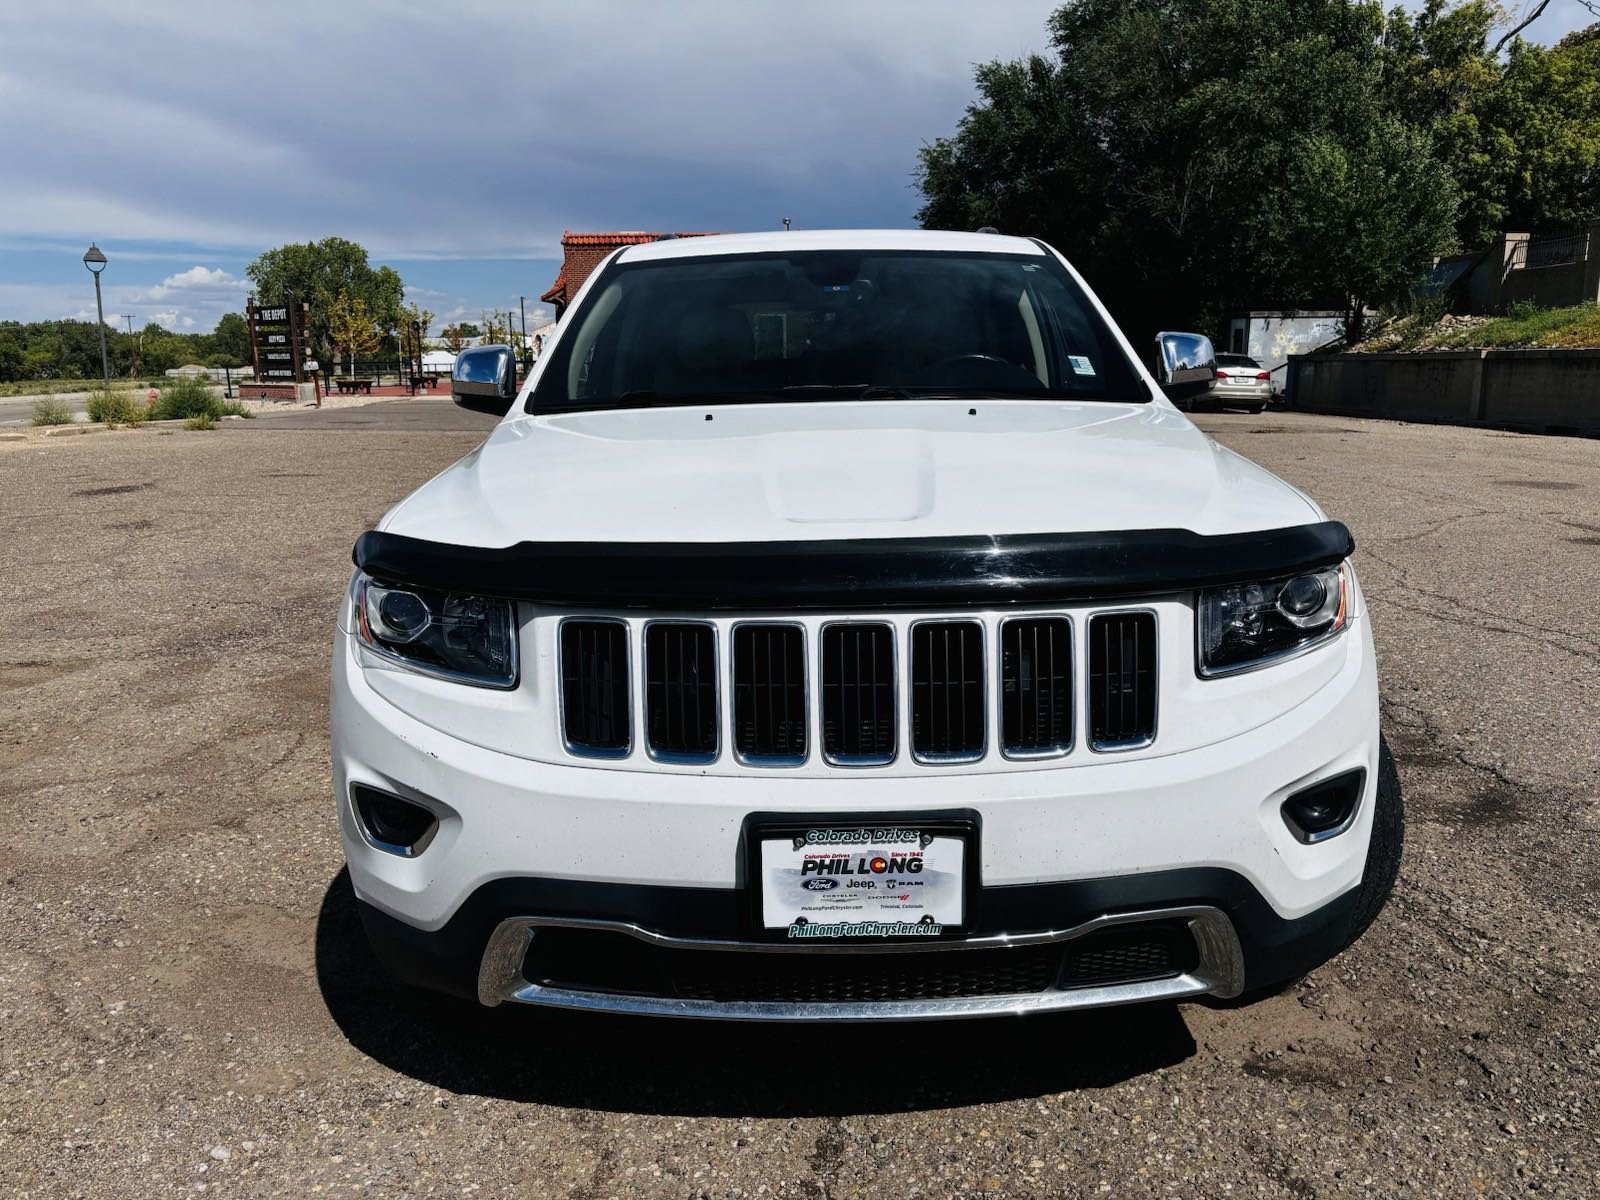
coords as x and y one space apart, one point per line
820 885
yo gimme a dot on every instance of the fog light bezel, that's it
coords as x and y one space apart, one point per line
1313 837
365 824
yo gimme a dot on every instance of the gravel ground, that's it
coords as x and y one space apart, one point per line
186 1004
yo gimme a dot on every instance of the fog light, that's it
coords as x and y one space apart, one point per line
1325 809
391 824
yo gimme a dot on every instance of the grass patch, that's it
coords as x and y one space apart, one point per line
117 408
201 421
48 411
51 387
1528 326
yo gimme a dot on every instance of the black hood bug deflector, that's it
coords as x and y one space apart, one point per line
865 573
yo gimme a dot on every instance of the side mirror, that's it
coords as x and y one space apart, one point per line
484 379
1186 365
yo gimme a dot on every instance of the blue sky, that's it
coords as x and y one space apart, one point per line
457 141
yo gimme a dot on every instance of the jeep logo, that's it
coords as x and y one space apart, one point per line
820 885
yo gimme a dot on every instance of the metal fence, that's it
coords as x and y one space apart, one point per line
1549 252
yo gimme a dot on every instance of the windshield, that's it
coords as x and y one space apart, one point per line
1236 360
830 324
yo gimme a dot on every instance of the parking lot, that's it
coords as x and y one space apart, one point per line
186 1002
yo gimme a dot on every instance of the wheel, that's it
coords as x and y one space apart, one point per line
1384 850
1255 409
1372 893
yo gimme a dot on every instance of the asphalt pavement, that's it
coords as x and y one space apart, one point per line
186 1003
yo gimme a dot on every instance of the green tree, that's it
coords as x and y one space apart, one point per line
455 337
1375 209
321 272
351 329
1539 129
161 351
11 351
1174 148
231 340
496 329
413 315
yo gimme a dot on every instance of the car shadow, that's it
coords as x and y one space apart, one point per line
713 1068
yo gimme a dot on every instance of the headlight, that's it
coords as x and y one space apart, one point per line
471 639
1246 625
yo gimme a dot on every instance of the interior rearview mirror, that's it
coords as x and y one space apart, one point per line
484 379
1186 364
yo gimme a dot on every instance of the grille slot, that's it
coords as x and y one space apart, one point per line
597 961
680 691
769 694
1122 680
594 687
1123 956
858 694
947 722
1036 687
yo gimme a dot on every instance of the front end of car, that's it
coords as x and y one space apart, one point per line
841 625
754 796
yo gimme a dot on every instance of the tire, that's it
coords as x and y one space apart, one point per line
1255 409
1372 893
1384 851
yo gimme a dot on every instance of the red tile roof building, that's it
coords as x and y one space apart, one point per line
583 252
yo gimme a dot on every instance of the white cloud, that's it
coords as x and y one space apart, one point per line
166 319
198 280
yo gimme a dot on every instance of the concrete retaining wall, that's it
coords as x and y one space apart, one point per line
1550 287
1534 389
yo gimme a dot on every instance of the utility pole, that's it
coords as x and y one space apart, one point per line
522 302
133 370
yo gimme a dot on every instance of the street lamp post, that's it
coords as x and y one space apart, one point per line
522 302
96 262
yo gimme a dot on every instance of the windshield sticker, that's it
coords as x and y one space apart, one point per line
1080 364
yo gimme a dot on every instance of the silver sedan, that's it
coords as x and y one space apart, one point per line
1241 382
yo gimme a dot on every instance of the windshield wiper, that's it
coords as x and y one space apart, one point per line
1002 393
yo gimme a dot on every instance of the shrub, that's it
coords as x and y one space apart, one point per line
193 398
185 398
117 408
1522 310
201 421
47 410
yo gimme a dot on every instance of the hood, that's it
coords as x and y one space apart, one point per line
826 471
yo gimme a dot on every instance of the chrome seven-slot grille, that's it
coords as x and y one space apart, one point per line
948 668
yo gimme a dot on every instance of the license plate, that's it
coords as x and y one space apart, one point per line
863 882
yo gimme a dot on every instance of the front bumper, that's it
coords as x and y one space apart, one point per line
1245 394
1194 836
1240 944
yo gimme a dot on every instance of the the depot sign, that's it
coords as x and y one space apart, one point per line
277 340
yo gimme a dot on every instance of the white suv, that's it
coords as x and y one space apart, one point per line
844 625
